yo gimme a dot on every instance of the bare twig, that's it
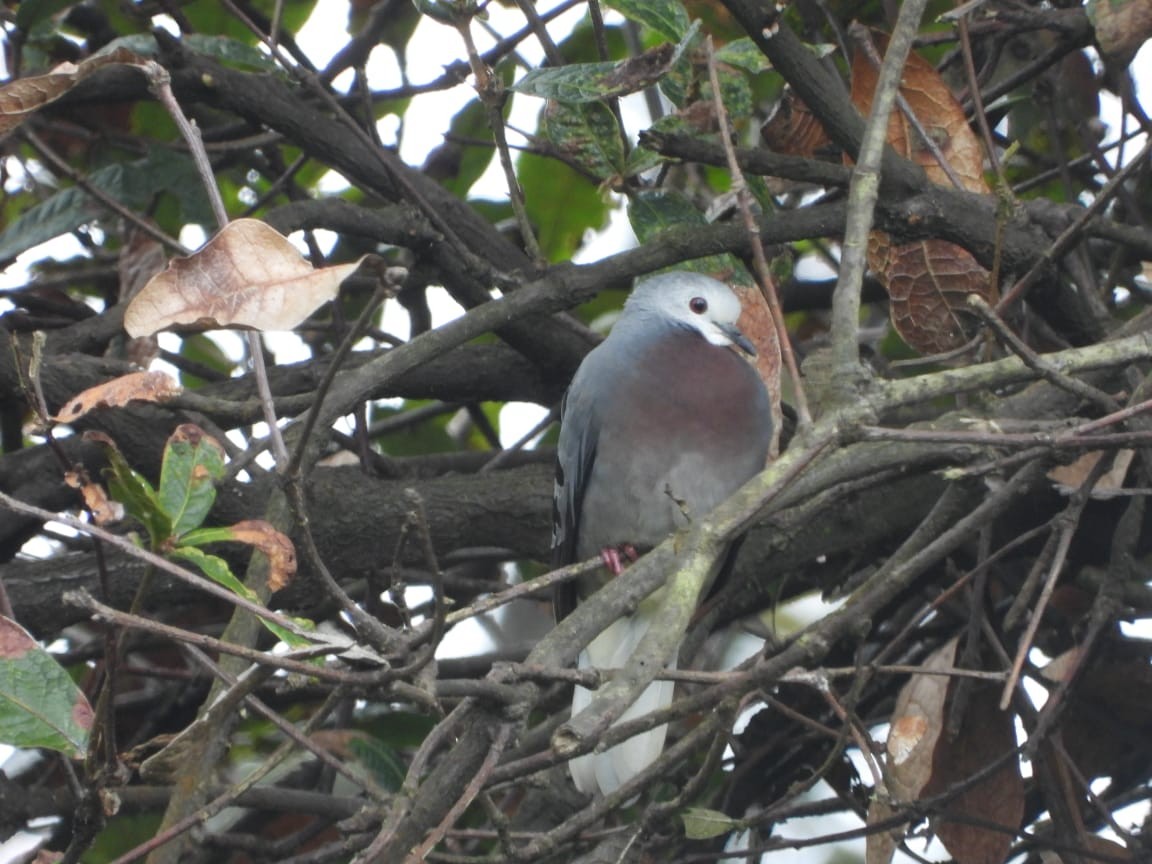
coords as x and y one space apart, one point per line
760 262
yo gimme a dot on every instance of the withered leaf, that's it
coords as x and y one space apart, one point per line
917 721
21 98
986 734
756 323
249 275
1121 29
794 130
279 549
133 387
104 510
928 282
937 111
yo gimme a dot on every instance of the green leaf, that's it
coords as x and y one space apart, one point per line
701 823
193 462
642 159
743 54
587 136
380 760
32 12
140 501
40 705
291 638
654 211
133 184
204 351
217 569
596 82
227 50
666 17
562 205
214 567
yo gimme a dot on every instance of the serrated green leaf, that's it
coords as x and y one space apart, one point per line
597 82
193 462
666 17
656 210
40 705
586 135
701 823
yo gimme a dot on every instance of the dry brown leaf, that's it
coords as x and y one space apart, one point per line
1121 28
928 282
104 510
938 112
279 549
756 323
794 130
1107 850
880 846
140 259
1068 478
133 387
249 275
917 721
25 96
986 734
1107 719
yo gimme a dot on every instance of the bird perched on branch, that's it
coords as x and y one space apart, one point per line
663 421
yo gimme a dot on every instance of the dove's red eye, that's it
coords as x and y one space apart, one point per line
698 305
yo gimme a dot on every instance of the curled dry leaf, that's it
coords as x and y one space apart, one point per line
104 510
133 387
249 275
794 130
279 549
928 282
21 98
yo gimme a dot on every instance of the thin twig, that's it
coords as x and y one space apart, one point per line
490 89
863 192
1072 233
1068 522
760 262
63 169
1036 361
863 39
495 751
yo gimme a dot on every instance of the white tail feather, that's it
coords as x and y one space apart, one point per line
604 773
